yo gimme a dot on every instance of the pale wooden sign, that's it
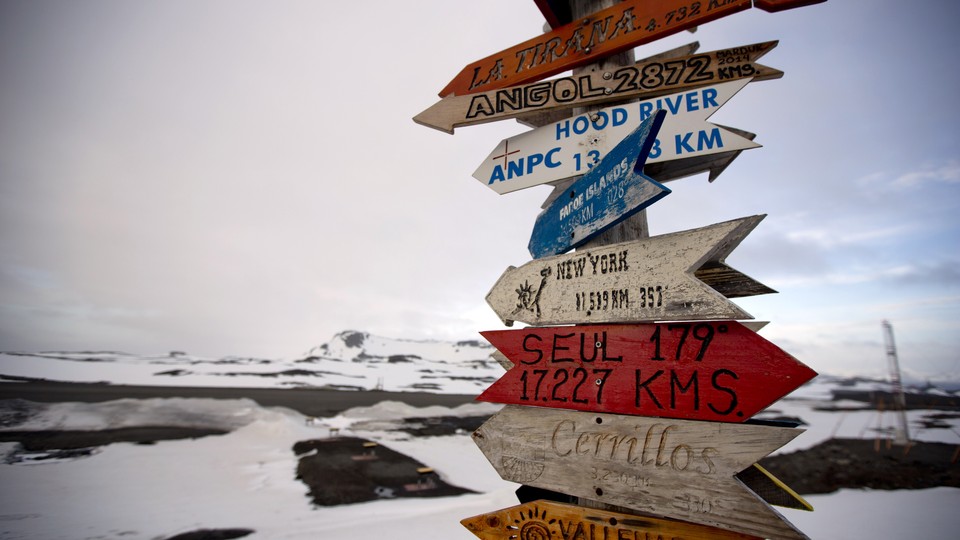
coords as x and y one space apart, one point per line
572 146
543 520
645 79
652 279
679 469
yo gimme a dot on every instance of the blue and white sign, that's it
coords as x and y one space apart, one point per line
613 190
574 145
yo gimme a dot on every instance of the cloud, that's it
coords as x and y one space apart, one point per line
942 273
919 303
832 239
948 173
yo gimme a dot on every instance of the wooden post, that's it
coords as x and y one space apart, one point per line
634 227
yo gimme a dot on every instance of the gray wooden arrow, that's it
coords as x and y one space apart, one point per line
672 277
678 469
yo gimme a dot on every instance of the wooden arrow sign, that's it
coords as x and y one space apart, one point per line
668 171
572 146
645 79
652 279
543 520
716 371
613 190
673 468
620 27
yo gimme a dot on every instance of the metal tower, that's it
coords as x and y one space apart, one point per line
902 433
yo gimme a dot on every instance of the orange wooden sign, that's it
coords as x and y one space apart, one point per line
548 519
626 25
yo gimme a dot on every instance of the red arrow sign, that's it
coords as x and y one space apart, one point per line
719 371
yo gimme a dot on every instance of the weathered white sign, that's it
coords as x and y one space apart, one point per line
661 74
679 469
574 145
644 280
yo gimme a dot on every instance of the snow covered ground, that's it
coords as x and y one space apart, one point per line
245 479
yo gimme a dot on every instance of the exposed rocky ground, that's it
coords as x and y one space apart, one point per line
345 470
866 463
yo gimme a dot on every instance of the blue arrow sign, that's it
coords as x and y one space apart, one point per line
612 191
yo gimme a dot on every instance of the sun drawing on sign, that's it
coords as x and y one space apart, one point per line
527 529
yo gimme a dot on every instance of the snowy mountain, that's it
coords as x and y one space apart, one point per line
351 360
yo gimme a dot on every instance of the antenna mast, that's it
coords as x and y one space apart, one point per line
902 433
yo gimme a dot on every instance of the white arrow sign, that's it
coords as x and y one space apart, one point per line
651 279
573 145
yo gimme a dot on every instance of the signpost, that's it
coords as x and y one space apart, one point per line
542 520
614 189
652 279
714 371
677 469
609 31
645 79
574 145
695 379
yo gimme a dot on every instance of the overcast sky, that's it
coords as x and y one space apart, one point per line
239 177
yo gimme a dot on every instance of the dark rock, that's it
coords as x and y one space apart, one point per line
866 463
343 470
352 338
213 534
79 439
